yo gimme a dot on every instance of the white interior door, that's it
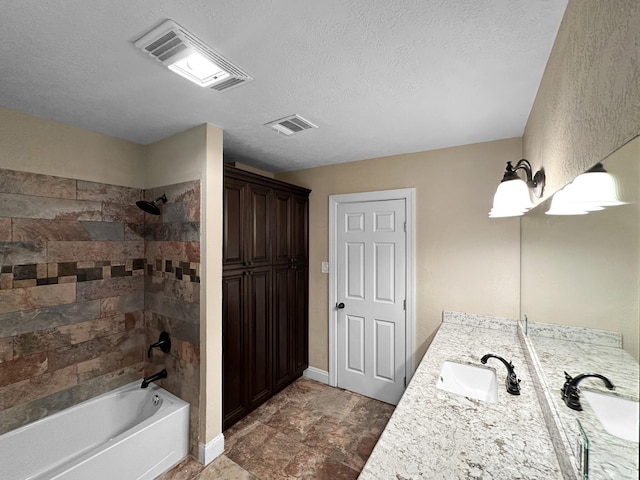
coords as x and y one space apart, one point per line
370 301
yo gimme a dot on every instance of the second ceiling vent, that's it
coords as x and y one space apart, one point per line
290 125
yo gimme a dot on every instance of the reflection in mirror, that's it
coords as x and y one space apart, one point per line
614 454
584 270
580 290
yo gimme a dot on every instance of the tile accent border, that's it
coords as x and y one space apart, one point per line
178 270
39 274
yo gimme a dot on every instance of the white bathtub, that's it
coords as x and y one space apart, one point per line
128 433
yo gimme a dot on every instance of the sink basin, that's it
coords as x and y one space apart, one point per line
472 381
617 415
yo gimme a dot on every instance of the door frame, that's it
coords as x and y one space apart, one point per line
409 195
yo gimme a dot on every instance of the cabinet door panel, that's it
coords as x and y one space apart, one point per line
300 322
300 229
282 338
233 229
258 228
258 336
233 380
282 227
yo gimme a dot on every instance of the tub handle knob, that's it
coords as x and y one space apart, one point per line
164 343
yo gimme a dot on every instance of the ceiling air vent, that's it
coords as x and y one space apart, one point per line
290 125
186 55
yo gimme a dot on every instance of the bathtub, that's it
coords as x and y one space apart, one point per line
128 433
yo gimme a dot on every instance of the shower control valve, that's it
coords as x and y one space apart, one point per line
164 343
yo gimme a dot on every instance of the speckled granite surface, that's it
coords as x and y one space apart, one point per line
610 457
575 334
435 434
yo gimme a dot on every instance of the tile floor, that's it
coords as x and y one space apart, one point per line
307 431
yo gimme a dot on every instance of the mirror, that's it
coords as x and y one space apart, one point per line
583 271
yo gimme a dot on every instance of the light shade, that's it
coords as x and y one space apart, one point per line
591 191
511 199
560 205
595 189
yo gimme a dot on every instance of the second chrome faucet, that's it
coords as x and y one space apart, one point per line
512 382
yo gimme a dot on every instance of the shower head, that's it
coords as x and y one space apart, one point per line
151 207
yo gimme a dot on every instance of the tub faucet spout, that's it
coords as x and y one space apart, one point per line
153 378
512 382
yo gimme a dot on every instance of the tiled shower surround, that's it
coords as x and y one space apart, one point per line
81 294
172 293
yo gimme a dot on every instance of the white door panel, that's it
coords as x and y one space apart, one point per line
384 343
371 277
355 271
384 272
354 344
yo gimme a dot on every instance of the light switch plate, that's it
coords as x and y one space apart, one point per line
325 267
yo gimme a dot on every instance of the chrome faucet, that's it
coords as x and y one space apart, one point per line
571 393
512 382
153 378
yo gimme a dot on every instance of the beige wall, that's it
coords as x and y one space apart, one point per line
588 103
36 145
465 261
211 300
178 158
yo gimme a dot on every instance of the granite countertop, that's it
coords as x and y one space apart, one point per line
609 456
435 434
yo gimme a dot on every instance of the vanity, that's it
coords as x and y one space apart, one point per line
434 433
580 314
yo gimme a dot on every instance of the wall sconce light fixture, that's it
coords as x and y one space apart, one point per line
512 197
591 191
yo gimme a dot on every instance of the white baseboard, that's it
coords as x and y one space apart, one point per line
209 452
316 374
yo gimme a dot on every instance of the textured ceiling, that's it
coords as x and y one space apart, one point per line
378 77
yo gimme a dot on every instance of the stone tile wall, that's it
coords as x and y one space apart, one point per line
172 292
87 282
71 293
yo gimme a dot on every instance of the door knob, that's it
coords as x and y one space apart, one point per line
340 306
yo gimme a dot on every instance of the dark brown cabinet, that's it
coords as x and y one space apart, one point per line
291 233
264 289
247 225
